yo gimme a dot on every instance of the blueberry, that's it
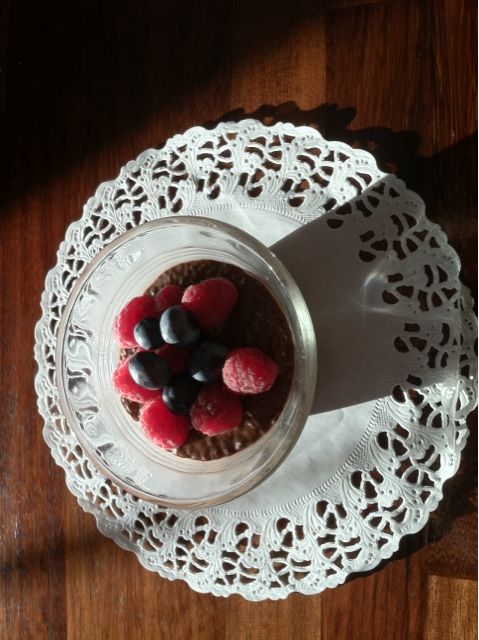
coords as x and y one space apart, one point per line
179 326
206 361
147 333
180 394
149 370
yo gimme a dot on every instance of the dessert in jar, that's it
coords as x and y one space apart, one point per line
206 361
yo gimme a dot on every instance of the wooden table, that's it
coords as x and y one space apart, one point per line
89 85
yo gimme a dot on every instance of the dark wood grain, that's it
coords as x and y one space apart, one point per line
4 8
90 85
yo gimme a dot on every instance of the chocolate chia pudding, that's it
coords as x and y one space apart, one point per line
256 321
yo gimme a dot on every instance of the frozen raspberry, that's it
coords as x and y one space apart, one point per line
137 309
175 357
216 410
167 297
211 301
125 386
249 371
163 427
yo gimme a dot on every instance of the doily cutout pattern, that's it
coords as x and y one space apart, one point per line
394 478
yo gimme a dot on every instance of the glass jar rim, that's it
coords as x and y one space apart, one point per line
295 305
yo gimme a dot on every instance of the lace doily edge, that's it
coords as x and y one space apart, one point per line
103 526
102 523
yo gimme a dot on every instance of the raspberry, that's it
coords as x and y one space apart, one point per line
163 427
216 410
211 301
137 309
124 385
175 357
167 297
249 371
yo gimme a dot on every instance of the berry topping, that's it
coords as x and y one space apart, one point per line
216 410
125 322
167 297
125 386
164 428
149 370
178 326
180 394
211 301
249 371
175 357
206 361
147 333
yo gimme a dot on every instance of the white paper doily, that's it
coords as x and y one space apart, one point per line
397 368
